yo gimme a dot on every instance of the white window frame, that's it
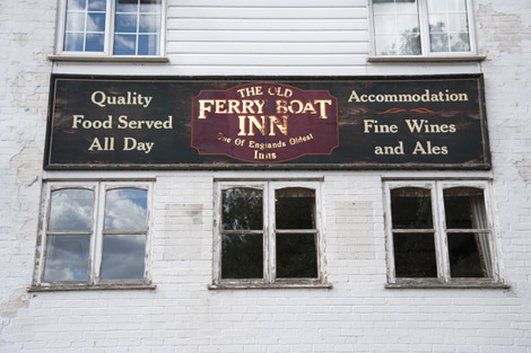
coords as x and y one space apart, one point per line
99 189
269 237
109 33
425 35
443 279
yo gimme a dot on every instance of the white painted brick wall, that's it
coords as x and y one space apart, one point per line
182 315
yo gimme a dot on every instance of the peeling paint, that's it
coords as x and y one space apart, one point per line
27 164
505 29
18 300
524 170
20 38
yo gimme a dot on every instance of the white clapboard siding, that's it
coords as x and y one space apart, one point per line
267 33
253 36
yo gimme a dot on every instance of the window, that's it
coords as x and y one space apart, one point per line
439 233
112 27
422 27
267 234
94 234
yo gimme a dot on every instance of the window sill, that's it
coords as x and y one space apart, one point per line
409 58
221 286
449 285
102 58
86 287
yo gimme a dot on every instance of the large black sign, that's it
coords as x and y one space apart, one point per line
418 122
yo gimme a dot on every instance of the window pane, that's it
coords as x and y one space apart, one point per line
465 208
411 208
242 256
95 42
469 255
448 23
75 22
149 23
295 208
397 27
296 256
415 255
454 5
437 6
97 5
150 5
125 23
76 5
126 6
96 22
439 43
66 258
459 42
124 44
123 257
71 211
126 210
73 42
148 44
242 209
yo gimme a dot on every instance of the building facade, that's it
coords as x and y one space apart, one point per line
396 218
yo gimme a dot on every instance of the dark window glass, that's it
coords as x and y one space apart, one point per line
150 6
464 208
96 22
295 208
415 255
411 208
242 209
125 23
468 255
95 42
124 44
96 5
71 210
296 256
148 44
75 22
242 256
76 5
123 257
73 42
126 6
67 258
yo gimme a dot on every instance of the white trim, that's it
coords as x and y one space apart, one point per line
437 188
426 53
99 191
108 47
269 279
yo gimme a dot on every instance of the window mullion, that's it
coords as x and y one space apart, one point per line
109 25
216 271
391 271
44 236
424 27
269 234
97 237
443 259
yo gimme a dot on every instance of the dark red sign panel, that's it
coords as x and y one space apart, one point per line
264 122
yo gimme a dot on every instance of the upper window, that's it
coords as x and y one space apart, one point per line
439 231
112 27
422 27
268 234
94 234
